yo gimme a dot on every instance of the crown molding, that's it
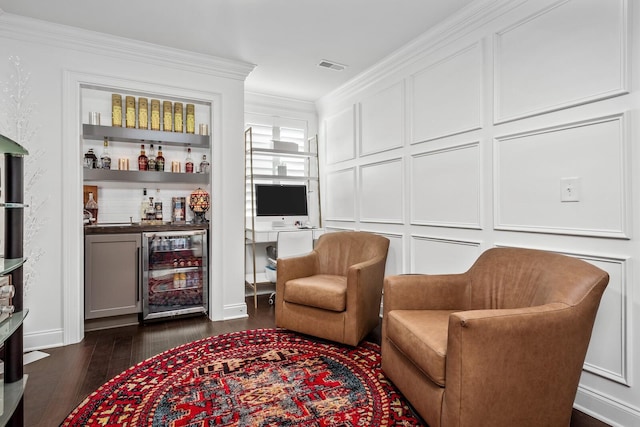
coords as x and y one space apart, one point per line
46 33
278 102
468 19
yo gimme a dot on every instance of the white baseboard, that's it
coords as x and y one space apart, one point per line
235 311
605 409
43 340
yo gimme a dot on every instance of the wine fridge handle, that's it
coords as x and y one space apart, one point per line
138 274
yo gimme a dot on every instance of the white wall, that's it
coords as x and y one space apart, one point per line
58 60
460 141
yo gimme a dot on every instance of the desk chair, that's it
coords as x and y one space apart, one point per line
290 244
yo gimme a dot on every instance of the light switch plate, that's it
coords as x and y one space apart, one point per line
570 189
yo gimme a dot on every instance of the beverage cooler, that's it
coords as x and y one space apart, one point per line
175 267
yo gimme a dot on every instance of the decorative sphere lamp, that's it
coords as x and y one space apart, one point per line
199 202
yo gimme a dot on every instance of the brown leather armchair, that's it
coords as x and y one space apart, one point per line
500 345
334 292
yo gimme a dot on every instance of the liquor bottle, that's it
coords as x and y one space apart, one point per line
160 160
188 163
90 159
105 159
143 161
92 207
143 205
158 206
151 163
150 213
205 166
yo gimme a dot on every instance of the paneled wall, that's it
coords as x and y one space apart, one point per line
512 124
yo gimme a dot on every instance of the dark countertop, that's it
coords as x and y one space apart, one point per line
136 227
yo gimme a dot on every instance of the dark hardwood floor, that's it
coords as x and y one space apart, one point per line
58 383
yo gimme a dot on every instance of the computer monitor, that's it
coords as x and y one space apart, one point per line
281 205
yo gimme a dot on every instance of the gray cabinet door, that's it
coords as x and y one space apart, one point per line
111 275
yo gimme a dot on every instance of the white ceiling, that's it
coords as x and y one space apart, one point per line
286 39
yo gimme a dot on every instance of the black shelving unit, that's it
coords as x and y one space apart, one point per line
11 332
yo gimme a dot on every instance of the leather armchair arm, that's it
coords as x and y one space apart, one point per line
426 292
364 282
364 292
540 346
294 268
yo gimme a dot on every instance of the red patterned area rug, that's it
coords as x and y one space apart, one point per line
266 377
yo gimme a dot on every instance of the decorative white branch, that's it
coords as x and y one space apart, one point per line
16 124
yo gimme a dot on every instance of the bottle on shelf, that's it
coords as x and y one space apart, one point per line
188 163
205 166
143 161
90 159
158 206
92 207
150 213
105 159
151 162
160 160
144 204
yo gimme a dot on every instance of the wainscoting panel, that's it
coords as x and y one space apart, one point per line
608 355
381 120
342 187
532 169
446 96
446 187
431 255
340 136
568 54
381 192
395 256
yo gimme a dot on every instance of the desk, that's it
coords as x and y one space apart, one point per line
270 235
261 236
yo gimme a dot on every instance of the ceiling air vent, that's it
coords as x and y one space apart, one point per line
331 65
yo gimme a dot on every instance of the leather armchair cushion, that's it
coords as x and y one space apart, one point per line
324 291
421 335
